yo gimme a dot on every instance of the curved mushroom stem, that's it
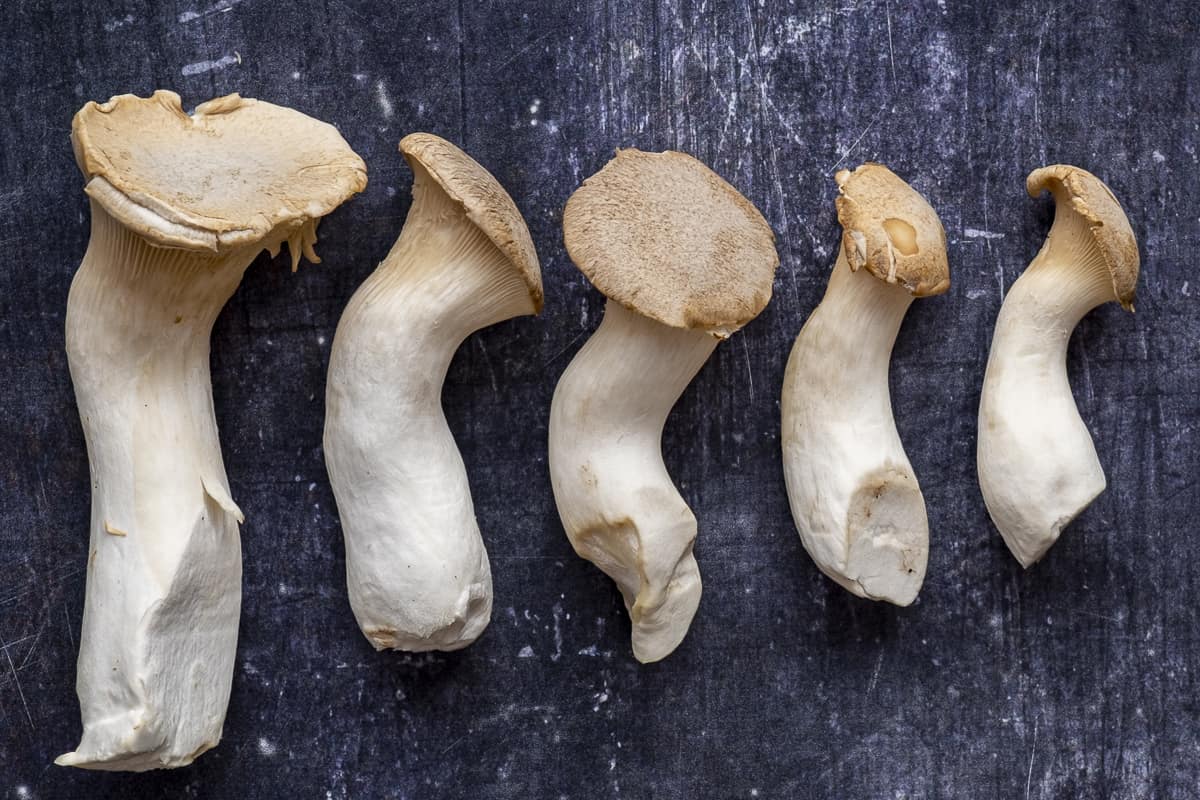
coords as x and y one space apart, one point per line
618 505
416 567
164 569
853 494
1038 467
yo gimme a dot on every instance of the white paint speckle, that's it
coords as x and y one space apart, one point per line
113 24
321 339
1158 157
201 67
975 294
526 652
590 650
360 76
978 233
266 747
1183 290
296 76
23 792
385 102
220 7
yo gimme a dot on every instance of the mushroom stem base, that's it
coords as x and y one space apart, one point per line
854 498
163 592
618 505
1038 467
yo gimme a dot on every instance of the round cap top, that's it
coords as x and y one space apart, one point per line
227 176
889 228
1080 192
483 199
666 237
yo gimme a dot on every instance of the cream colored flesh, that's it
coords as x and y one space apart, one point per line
416 567
853 494
618 505
1038 468
164 567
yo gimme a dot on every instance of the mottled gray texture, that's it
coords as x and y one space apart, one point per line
1076 679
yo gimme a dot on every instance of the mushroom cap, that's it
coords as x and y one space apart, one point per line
1088 196
230 175
889 227
666 237
483 199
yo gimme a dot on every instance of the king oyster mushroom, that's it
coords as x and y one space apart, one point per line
685 261
180 207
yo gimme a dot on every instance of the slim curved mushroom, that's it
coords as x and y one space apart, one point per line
1038 467
180 207
854 497
685 262
416 567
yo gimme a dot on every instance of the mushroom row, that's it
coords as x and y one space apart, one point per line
181 204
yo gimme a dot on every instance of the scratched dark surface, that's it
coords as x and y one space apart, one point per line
1076 679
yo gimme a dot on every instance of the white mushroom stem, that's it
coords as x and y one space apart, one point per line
164 568
618 505
416 566
854 497
1038 467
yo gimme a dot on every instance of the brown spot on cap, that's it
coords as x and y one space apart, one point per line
889 228
232 174
666 237
1079 191
483 199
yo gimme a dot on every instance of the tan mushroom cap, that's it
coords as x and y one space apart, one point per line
666 237
483 199
1086 195
230 175
889 227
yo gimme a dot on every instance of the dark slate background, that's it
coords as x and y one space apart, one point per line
1076 679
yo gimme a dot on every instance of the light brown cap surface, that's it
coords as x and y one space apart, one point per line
483 199
230 175
889 228
1079 191
666 237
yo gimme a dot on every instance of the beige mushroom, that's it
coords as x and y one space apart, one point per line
180 207
416 567
685 262
854 497
1038 467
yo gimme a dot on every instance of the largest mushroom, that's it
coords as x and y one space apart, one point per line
180 207
1038 467
685 261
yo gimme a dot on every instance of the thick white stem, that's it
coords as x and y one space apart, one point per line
416 567
164 568
618 505
853 494
1038 468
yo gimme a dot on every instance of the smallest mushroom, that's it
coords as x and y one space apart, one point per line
1038 467
854 497
685 261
